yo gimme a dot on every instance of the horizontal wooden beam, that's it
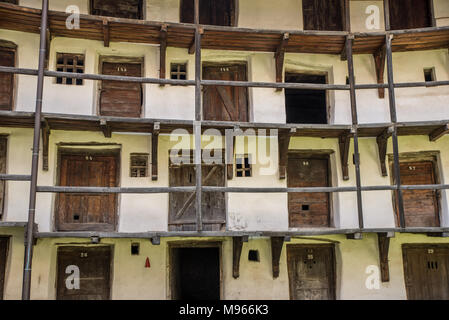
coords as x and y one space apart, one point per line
14 177
439 133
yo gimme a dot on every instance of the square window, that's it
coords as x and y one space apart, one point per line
243 166
67 62
429 75
178 71
139 165
135 249
253 255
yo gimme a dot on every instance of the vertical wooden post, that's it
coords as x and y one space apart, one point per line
163 52
387 15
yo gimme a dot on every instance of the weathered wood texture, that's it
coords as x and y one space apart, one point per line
323 15
383 242
130 9
3 159
3 256
277 243
7 59
94 264
219 13
222 103
426 271
311 270
406 14
87 212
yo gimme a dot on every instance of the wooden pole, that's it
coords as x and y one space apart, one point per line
198 118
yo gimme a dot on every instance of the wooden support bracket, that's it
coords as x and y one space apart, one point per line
276 249
383 240
343 54
439 133
155 241
163 52
47 47
107 132
283 143
344 141
379 62
192 44
279 57
45 143
382 143
154 148
237 244
106 33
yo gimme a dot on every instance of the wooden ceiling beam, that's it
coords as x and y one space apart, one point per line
283 143
382 143
279 57
343 142
379 63
237 244
154 150
439 133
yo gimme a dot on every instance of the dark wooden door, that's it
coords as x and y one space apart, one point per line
212 12
311 270
87 211
213 204
3 256
131 9
308 209
3 159
410 14
94 265
426 271
121 99
420 206
323 14
222 103
7 59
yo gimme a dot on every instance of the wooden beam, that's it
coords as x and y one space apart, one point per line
163 53
47 49
230 151
283 143
279 57
45 143
382 143
106 33
104 126
237 244
154 150
379 63
276 249
344 54
344 141
439 133
383 241
192 44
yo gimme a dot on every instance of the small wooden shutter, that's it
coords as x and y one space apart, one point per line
3 256
308 209
85 212
311 272
426 271
121 99
7 59
323 15
420 206
131 9
3 159
212 12
94 264
222 103
407 14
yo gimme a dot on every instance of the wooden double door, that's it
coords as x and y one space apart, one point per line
426 271
87 212
311 271
92 264
327 15
408 14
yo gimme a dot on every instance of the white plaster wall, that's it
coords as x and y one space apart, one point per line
359 14
441 8
14 263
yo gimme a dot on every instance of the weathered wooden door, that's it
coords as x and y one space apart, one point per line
3 159
225 103
311 270
3 256
7 59
121 99
79 211
421 207
407 14
323 14
182 213
131 9
94 265
308 209
426 271
212 12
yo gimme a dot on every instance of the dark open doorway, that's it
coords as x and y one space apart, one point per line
305 106
195 273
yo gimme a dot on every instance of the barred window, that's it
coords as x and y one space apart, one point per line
139 165
67 62
243 166
178 71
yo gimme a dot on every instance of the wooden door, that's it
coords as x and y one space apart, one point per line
421 208
86 212
131 9
323 15
94 264
212 12
119 98
4 242
410 14
311 271
308 209
426 271
222 103
3 159
7 59
182 212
